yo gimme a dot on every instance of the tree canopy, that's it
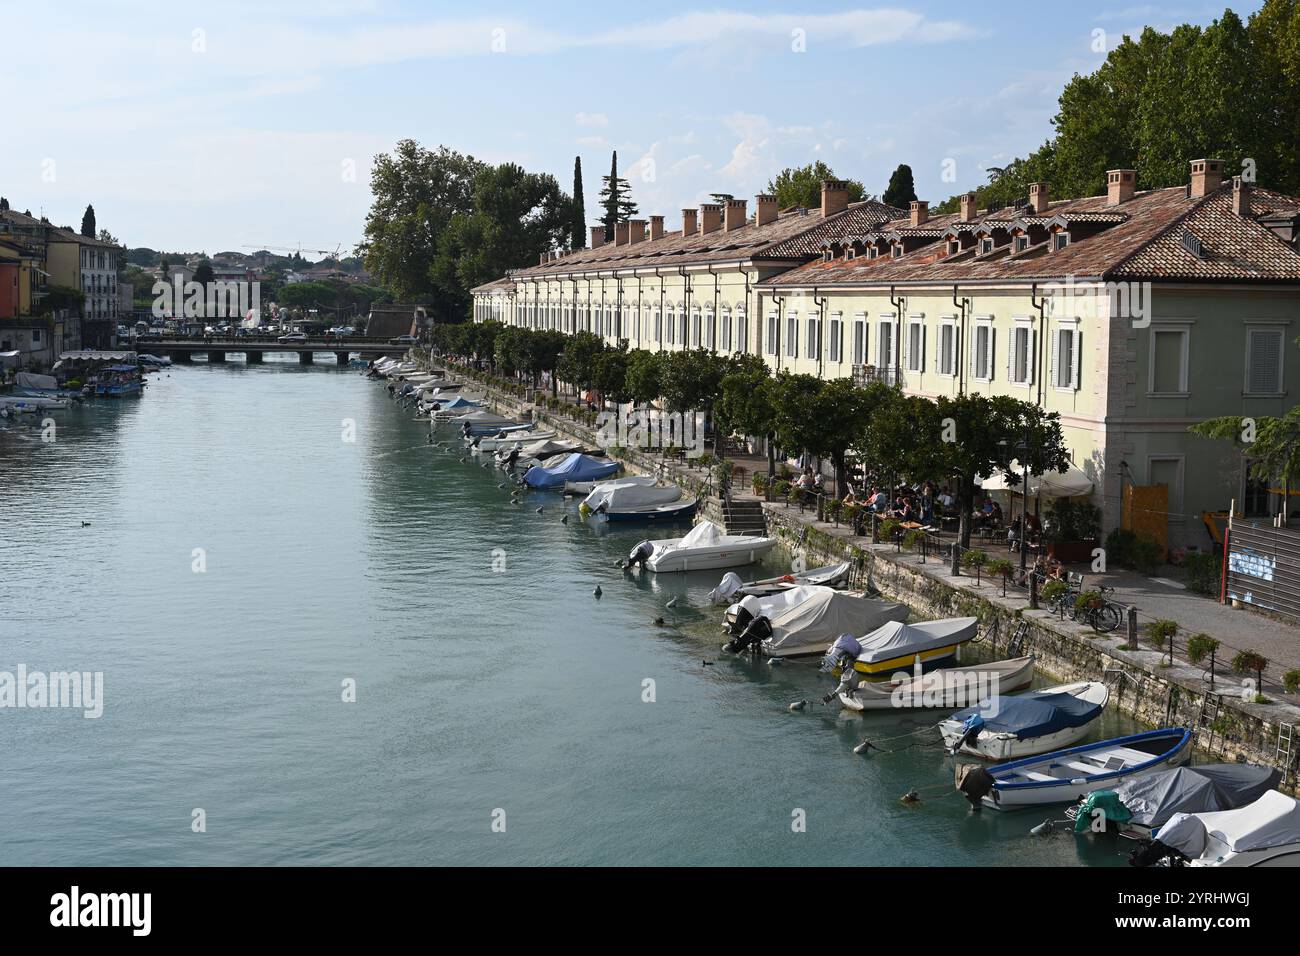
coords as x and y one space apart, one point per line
802 186
901 190
616 198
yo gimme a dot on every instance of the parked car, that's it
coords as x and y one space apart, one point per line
292 337
403 340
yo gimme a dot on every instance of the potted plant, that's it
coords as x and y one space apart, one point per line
1002 568
759 483
1073 529
1161 631
1251 662
1291 681
1054 590
832 510
975 559
887 529
1201 646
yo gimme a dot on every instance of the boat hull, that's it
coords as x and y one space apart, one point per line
1004 746
1031 793
661 514
944 688
733 555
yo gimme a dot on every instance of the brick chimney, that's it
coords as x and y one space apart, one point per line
968 211
765 210
1038 198
597 236
1120 184
735 215
918 212
636 231
689 225
1207 175
1240 197
835 197
710 217
656 228
620 234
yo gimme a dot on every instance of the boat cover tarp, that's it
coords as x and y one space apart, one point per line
1106 802
33 380
577 467
896 639
729 585
1155 797
772 606
1272 820
821 614
630 494
1035 715
706 534
459 401
542 447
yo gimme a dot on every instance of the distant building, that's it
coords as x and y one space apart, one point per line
390 321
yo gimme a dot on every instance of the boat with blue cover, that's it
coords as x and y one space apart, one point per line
577 467
1007 728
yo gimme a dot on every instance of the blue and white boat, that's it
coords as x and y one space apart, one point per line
1007 728
114 381
637 499
1065 776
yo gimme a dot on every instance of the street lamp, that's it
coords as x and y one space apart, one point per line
1022 452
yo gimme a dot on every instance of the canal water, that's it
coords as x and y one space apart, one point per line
244 564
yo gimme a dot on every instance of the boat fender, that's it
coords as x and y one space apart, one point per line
975 783
597 592
798 705
910 797
775 661
564 520
539 510
864 747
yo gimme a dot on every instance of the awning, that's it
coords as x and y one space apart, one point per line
1051 484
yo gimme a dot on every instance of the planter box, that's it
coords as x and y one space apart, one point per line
1071 552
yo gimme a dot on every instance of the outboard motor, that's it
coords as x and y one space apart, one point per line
512 457
974 783
748 609
640 555
841 655
970 732
751 638
1155 853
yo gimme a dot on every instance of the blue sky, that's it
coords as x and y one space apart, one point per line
211 126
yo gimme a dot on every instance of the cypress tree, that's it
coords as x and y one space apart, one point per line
88 222
901 189
579 238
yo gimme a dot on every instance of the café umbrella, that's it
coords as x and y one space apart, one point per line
1050 484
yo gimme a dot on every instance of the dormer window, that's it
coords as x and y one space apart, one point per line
896 250
827 255
986 245
874 252
849 253
1022 243
1060 240
954 247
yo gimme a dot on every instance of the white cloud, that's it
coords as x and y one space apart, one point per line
591 119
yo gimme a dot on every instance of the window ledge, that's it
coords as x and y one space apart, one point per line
1169 394
1263 394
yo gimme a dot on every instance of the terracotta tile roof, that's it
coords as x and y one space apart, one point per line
786 237
503 285
1147 244
54 233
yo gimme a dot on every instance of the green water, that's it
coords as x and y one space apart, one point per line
477 691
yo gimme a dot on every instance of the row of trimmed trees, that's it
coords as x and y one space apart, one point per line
951 440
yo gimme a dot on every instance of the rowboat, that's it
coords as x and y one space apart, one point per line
1263 833
1066 775
1007 728
896 646
831 576
706 547
962 686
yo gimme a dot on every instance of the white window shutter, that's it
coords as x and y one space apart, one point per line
974 347
992 350
1055 378
1033 354
1078 352
920 365
1012 348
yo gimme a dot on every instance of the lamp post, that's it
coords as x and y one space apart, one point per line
1022 451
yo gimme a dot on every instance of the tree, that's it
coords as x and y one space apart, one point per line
902 434
203 273
1271 444
578 233
545 346
61 298
901 190
514 216
609 375
616 200
802 186
415 194
4 204
690 380
88 222
644 376
747 401
106 236
980 435
578 362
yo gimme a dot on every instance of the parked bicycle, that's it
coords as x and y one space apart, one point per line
1103 615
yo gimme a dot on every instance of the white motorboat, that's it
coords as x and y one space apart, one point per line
706 547
1263 833
525 453
638 491
511 433
1007 728
481 423
832 575
24 403
960 686
896 647
805 620
1067 775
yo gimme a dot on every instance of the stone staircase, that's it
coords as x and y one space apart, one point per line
744 517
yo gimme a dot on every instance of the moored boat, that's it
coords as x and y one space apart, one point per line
1065 775
706 547
576 467
832 575
1007 728
959 686
1263 833
896 646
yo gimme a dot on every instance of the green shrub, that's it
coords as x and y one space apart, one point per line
1161 632
886 530
1249 662
1204 571
1119 547
974 558
1291 681
1054 589
1201 646
1000 567
1087 600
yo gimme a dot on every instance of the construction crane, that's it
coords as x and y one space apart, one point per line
334 253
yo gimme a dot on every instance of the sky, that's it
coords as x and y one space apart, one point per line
238 125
